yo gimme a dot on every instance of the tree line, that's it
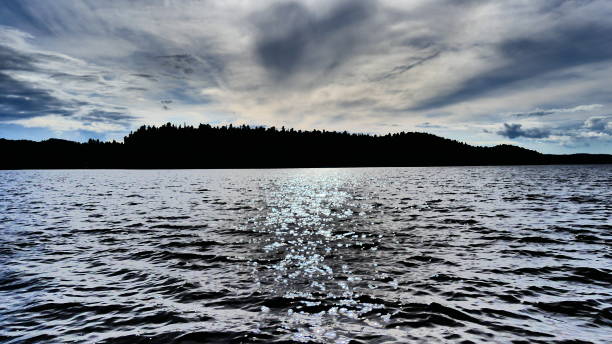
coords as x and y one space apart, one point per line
206 146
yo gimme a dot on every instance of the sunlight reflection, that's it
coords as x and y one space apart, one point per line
309 233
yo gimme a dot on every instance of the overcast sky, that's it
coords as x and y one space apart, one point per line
533 73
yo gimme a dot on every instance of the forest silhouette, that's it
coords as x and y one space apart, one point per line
206 146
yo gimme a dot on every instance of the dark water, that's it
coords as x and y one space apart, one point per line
417 255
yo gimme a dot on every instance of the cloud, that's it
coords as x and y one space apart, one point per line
527 58
429 125
534 114
37 83
20 99
293 39
11 59
165 104
595 131
512 131
601 124
145 76
357 103
546 112
187 66
19 13
77 78
112 117
63 123
398 70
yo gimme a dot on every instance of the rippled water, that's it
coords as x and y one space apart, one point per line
423 255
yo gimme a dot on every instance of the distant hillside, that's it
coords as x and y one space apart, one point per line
170 146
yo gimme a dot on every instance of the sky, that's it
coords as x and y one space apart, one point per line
537 74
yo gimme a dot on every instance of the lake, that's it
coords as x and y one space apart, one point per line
365 255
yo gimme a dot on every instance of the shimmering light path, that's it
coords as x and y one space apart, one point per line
310 224
423 255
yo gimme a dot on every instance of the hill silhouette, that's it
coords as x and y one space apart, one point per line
205 146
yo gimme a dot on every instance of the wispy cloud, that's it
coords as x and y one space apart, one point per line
428 125
515 130
62 123
47 89
546 112
602 124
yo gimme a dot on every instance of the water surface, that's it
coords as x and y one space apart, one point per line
417 255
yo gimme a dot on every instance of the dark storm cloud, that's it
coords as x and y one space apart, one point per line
512 131
531 57
19 100
291 37
11 59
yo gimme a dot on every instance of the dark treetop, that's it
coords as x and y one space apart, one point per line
171 146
